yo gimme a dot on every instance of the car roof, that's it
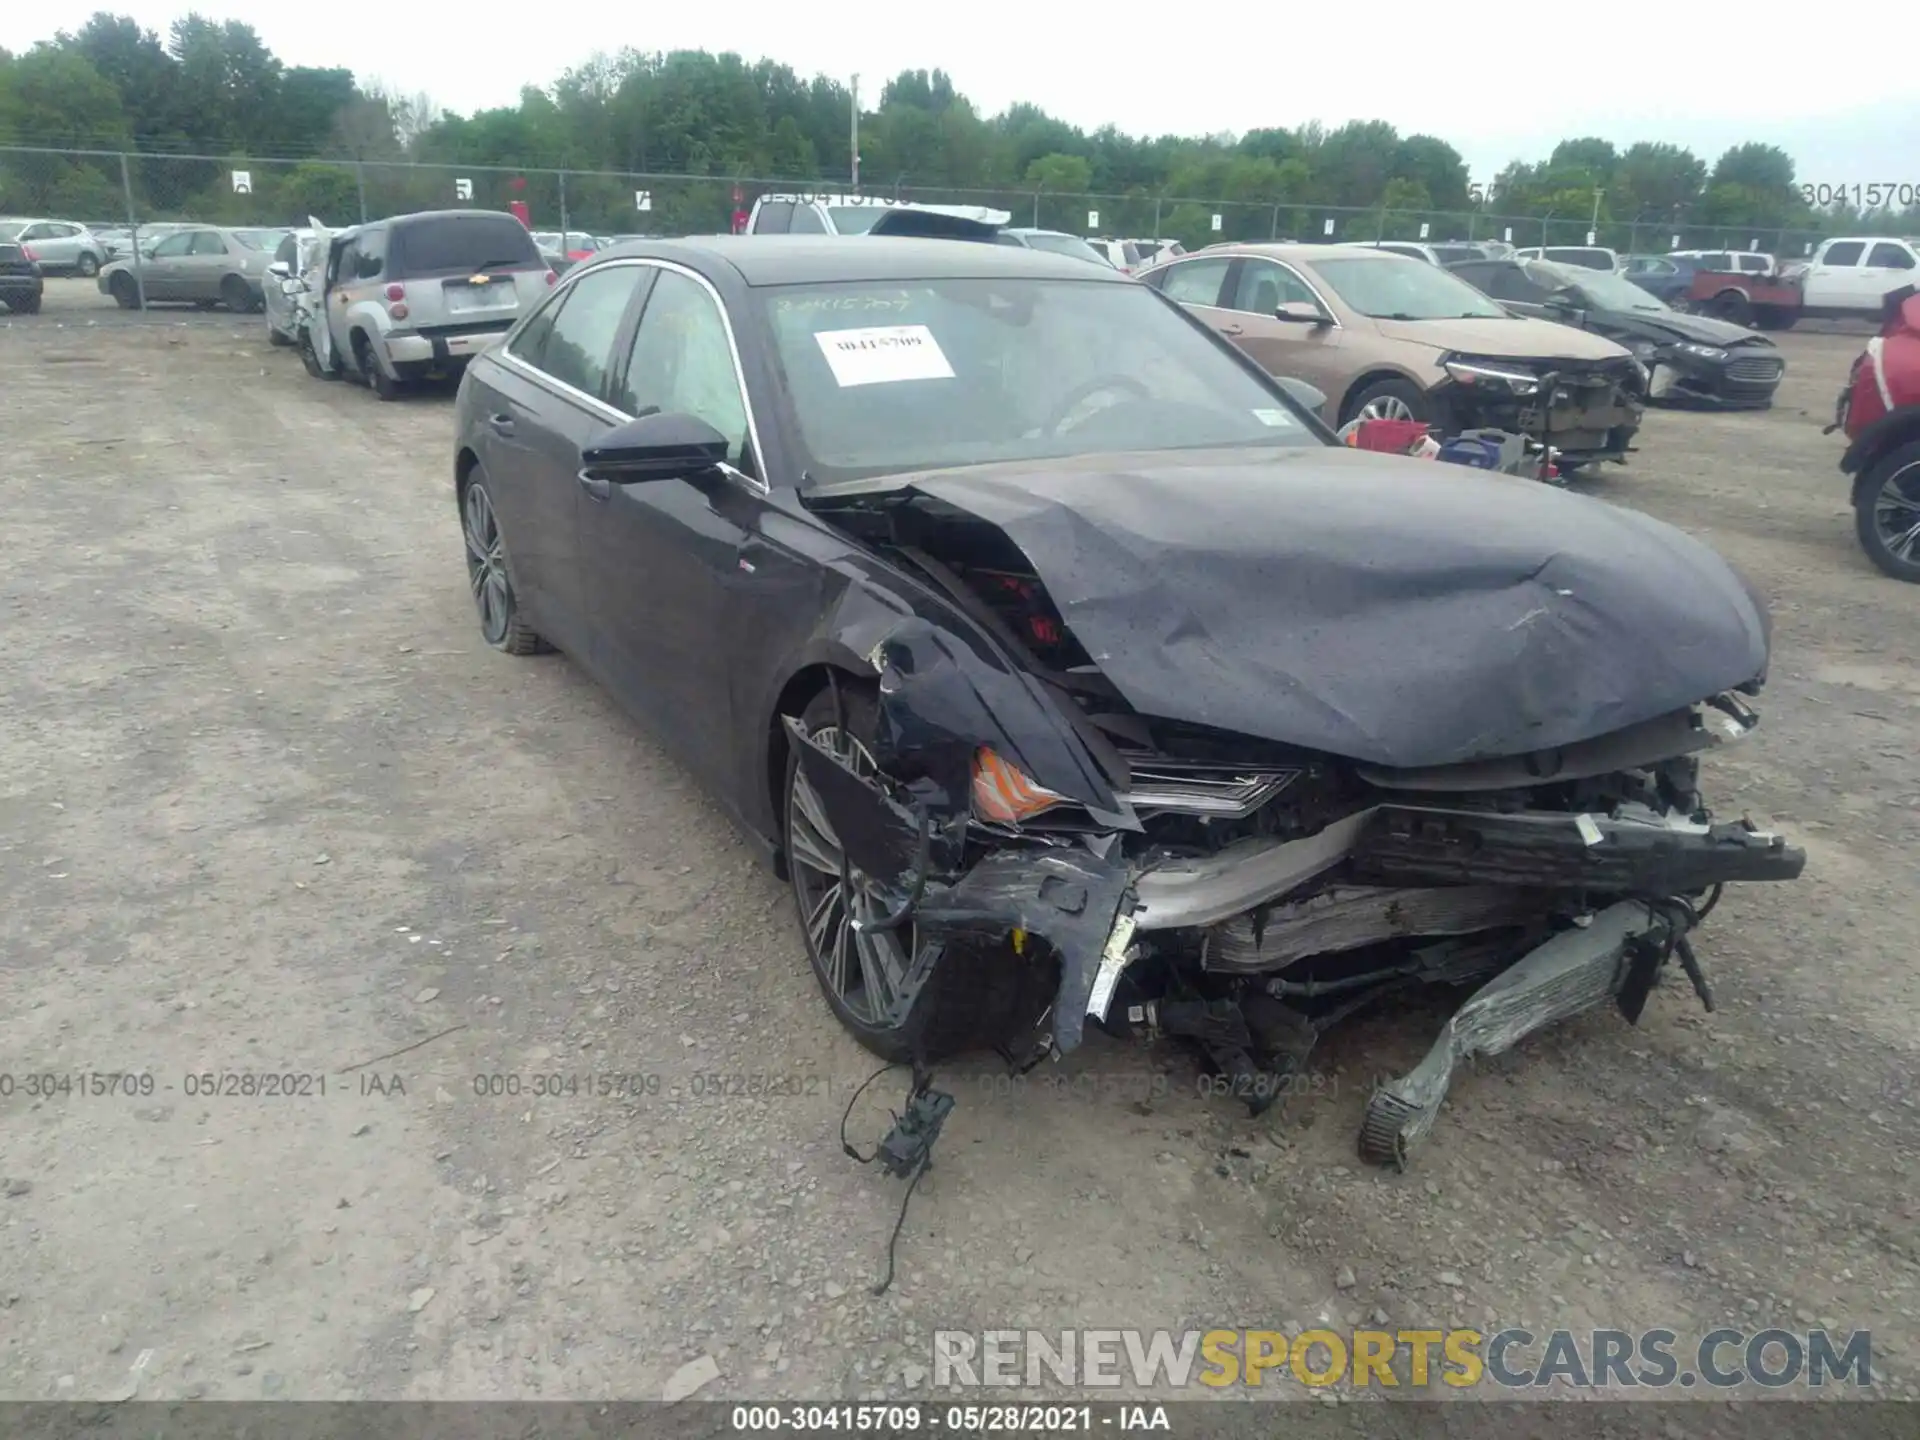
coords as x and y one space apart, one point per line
810 259
1280 250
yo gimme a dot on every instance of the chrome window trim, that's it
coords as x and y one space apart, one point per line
613 412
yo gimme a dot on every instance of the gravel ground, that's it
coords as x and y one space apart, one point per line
269 805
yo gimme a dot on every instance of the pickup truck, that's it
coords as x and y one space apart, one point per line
1846 279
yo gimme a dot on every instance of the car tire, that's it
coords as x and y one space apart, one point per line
377 379
976 997
1731 306
1772 317
235 295
1897 473
490 574
125 291
1392 399
28 306
277 337
310 358
89 265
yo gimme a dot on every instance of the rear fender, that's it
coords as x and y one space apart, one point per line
1884 435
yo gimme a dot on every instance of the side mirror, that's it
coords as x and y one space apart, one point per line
279 270
654 447
1568 299
1302 312
1303 394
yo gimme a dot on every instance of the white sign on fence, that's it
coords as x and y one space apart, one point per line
1589 237
1753 244
242 182
1216 224
1424 228
1093 219
463 189
1507 234
1674 244
643 200
1329 229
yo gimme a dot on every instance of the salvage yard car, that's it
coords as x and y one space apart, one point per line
1074 675
60 247
1390 338
1688 357
204 265
418 296
21 285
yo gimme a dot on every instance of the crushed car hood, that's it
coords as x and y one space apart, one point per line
1395 611
1674 325
1517 337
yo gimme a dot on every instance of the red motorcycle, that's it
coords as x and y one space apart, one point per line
1880 412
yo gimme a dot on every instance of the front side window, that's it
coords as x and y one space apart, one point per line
807 221
1264 287
854 219
682 362
1396 289
576 346
774 218
172 246
288 252
208 242
1843 252
885 378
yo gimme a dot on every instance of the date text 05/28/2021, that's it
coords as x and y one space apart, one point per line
951 1419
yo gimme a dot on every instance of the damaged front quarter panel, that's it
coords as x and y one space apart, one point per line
1069 896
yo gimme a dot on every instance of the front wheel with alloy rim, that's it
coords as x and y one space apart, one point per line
1887 512
1389 399
488 576
126 294
89 267
900 994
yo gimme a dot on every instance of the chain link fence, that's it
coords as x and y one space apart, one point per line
117 193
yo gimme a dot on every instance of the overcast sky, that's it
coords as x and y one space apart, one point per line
1502 84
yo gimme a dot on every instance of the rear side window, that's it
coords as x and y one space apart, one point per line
775 217
370 251
1753 264
1843 252
11 254
462 244
1890 257
807 221
577 346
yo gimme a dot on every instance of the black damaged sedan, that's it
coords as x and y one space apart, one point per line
1073 675
1688 357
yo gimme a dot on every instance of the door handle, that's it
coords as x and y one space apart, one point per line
501 424
600 490
1230 330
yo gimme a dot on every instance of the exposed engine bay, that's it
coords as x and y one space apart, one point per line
1588 412
1244 894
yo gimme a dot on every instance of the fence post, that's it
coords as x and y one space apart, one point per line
1273 226
563 210
1036 209
1156 219
133 231
360 180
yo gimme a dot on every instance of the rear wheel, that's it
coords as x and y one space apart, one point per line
89 266
235 295
126 294
1388 400
378 381
1731 306
501 624
1887 513
1772 317
969 997
25 305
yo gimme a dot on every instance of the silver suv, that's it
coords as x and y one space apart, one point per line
416 297
60 247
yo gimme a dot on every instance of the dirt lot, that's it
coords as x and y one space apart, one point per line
271 806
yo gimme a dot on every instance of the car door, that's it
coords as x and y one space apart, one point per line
203 265
660 558
161 270
345 283
274 294
1256 288
1887 266
1833 280
544 403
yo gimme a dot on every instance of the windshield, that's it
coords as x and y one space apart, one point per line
854 219
883 379
1399 289
1071 245
1604 289
261 239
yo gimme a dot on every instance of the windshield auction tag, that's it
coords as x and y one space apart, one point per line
883 354
1278 418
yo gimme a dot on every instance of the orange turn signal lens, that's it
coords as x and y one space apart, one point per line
1003 794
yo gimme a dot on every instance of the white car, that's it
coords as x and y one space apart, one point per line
1587 257
849 214
62 247
1136 255
1849 275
